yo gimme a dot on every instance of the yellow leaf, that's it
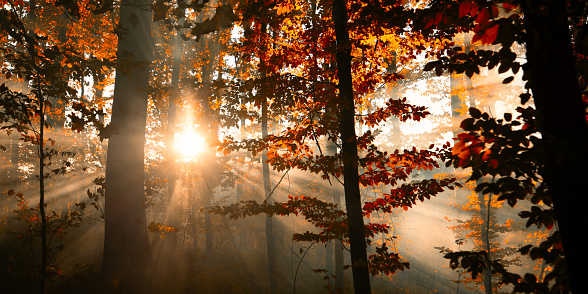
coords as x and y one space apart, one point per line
284 8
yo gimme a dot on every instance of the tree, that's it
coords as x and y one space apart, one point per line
483 231
543 27
305 97
46 65
551 73
126 246
267 184
357 243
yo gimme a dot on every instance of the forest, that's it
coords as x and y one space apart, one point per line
293 146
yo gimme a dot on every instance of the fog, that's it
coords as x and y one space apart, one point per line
195 251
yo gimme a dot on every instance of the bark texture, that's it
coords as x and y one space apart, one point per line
126 245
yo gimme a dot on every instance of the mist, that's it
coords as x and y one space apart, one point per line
222 127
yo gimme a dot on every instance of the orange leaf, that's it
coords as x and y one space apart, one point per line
486 155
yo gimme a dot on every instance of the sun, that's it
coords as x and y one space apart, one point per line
188 145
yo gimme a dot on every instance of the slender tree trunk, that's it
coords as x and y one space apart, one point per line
485 234
193 216
554 84
338 247
359 261
469 85
57 118
41 154
396 132
14 157
329 258
212 42
242 234
174 206
267 185
126 244
339 259
207 218
207 195
456 102
267 188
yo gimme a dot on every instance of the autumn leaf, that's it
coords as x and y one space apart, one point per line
429 21
464 8
438 18
474 10
284 8
508 7
483 16
490 35
493 163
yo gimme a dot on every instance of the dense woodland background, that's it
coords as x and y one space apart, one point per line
293 146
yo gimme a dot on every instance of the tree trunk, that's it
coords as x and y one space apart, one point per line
338 272
267 185
42 206
208 195
126 245
396 132
174 204
357 242
339 260
485 234
267 188
456 103
551 70
205 96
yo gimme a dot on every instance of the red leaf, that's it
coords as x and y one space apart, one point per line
495 12
464 8
438 18
474 10
493 163
508 7
429 21
484 16
490 35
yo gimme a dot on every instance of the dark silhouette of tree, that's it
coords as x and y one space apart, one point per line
553 81
350 157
